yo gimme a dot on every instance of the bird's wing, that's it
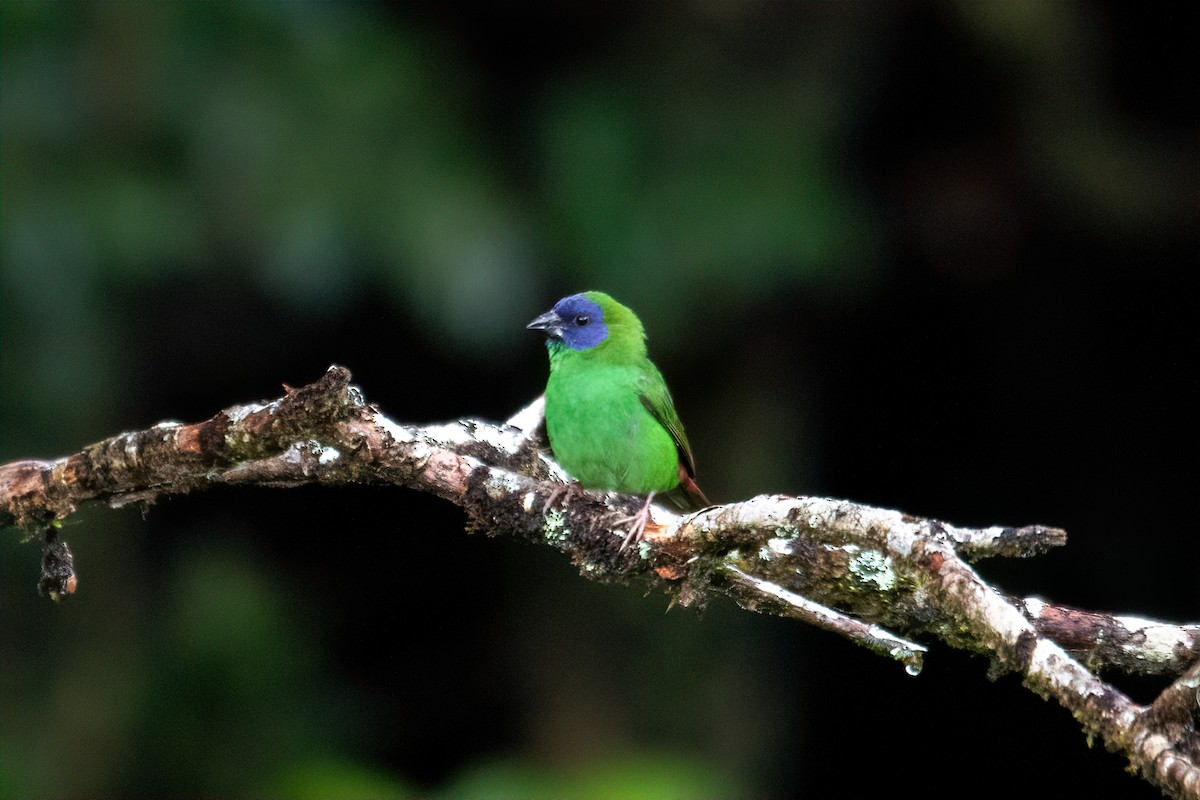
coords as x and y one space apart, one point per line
657 399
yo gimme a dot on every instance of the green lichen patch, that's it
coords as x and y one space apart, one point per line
873 569
554 526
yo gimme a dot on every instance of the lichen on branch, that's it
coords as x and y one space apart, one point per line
879 577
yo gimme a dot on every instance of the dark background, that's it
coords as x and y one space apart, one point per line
936 257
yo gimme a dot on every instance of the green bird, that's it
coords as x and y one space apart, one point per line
609 415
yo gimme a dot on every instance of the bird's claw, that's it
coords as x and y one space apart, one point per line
564 493
637 525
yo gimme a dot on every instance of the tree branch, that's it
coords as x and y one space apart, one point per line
799 557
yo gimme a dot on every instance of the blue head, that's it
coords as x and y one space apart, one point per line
577 321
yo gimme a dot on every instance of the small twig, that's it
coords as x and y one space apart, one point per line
58 567
1031 540
756 594
1107 641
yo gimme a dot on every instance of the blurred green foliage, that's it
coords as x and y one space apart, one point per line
193 189
636 777
321 150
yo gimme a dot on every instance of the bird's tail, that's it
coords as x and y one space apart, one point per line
688 496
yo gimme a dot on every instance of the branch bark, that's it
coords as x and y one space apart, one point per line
879 577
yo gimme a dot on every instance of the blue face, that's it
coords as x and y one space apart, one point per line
581 322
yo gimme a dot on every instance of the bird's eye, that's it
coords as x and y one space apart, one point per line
582 319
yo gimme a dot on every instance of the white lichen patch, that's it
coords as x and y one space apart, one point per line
502 484
873 567
527 502
1051 664
902 535
775 547
1160 640
452 433
1134 624
169 428
420 452
464 432
1035 606
644 550
326 455
399 433
782 547
239 413
506 441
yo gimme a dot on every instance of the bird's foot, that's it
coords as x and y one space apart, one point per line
637 524
563 493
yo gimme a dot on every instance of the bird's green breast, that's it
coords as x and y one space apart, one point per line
600 430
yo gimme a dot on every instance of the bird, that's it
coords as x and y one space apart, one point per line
610 418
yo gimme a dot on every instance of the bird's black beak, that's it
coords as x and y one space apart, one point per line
549 324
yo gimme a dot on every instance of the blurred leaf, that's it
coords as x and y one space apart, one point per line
504 780
652 776
336 780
